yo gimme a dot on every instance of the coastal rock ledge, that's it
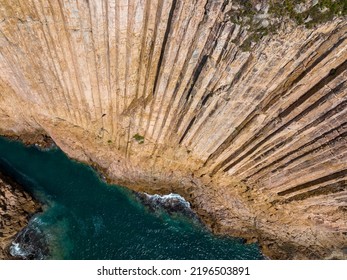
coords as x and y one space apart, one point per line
16 208
244 115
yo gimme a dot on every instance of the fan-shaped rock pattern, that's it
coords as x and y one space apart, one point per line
160 96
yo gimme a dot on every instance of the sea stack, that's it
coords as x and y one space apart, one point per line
238 106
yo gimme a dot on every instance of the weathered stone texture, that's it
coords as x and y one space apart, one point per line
255 140
16 207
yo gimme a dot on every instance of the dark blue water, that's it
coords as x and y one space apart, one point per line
85 218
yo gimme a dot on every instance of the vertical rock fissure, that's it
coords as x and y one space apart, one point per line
163 48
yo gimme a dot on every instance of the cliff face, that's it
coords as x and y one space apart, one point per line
164 97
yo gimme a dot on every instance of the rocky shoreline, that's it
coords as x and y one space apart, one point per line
171 204
228 221
39 140
16 208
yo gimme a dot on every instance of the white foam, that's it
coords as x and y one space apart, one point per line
16 250
171 196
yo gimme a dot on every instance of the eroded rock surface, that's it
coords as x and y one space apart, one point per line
16 208
166 96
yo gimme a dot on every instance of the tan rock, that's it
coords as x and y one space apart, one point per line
256 141
14 214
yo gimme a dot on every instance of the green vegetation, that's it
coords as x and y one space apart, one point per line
140 139
287 9
255 37
280 10
324 11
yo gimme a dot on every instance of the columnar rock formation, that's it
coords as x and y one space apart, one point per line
162 98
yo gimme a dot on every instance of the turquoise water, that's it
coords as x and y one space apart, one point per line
85 218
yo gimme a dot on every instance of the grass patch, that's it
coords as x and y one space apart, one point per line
282 10
324 11
139 138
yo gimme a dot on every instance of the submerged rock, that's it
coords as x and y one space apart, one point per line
30 244
171 203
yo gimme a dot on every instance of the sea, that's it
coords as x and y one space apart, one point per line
84 218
